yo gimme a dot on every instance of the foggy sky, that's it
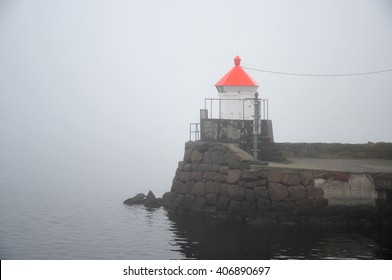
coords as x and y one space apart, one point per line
92 87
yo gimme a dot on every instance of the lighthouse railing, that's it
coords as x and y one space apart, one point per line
194 131
214 107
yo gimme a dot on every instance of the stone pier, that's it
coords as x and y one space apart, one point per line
222 181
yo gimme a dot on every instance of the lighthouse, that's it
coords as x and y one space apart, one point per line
236 92
238 116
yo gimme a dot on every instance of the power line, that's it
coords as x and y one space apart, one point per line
320 75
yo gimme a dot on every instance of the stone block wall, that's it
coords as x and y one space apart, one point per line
223 181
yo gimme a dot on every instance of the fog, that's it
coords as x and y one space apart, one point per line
105 90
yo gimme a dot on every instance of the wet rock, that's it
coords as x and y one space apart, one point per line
137 199
151 201
148 201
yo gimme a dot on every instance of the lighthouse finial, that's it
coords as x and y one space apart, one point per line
237 61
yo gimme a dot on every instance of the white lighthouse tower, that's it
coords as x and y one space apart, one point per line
236 91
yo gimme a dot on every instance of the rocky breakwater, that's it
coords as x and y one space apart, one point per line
223 181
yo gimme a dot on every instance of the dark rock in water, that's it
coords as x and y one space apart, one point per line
148 201
150 196
140 198
151 201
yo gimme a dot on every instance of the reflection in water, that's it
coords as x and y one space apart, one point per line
198 238
52 220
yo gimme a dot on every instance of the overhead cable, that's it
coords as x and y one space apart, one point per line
320 75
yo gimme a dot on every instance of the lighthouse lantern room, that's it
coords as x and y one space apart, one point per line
236 92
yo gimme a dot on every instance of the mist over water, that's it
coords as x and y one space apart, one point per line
68 218
62 217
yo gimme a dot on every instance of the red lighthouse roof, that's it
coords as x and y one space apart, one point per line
236 78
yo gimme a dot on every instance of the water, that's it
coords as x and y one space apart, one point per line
56 218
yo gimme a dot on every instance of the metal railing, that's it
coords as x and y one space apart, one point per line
214 106
194 132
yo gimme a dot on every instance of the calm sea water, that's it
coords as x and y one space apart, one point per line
51 219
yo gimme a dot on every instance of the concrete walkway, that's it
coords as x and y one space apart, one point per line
344 165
